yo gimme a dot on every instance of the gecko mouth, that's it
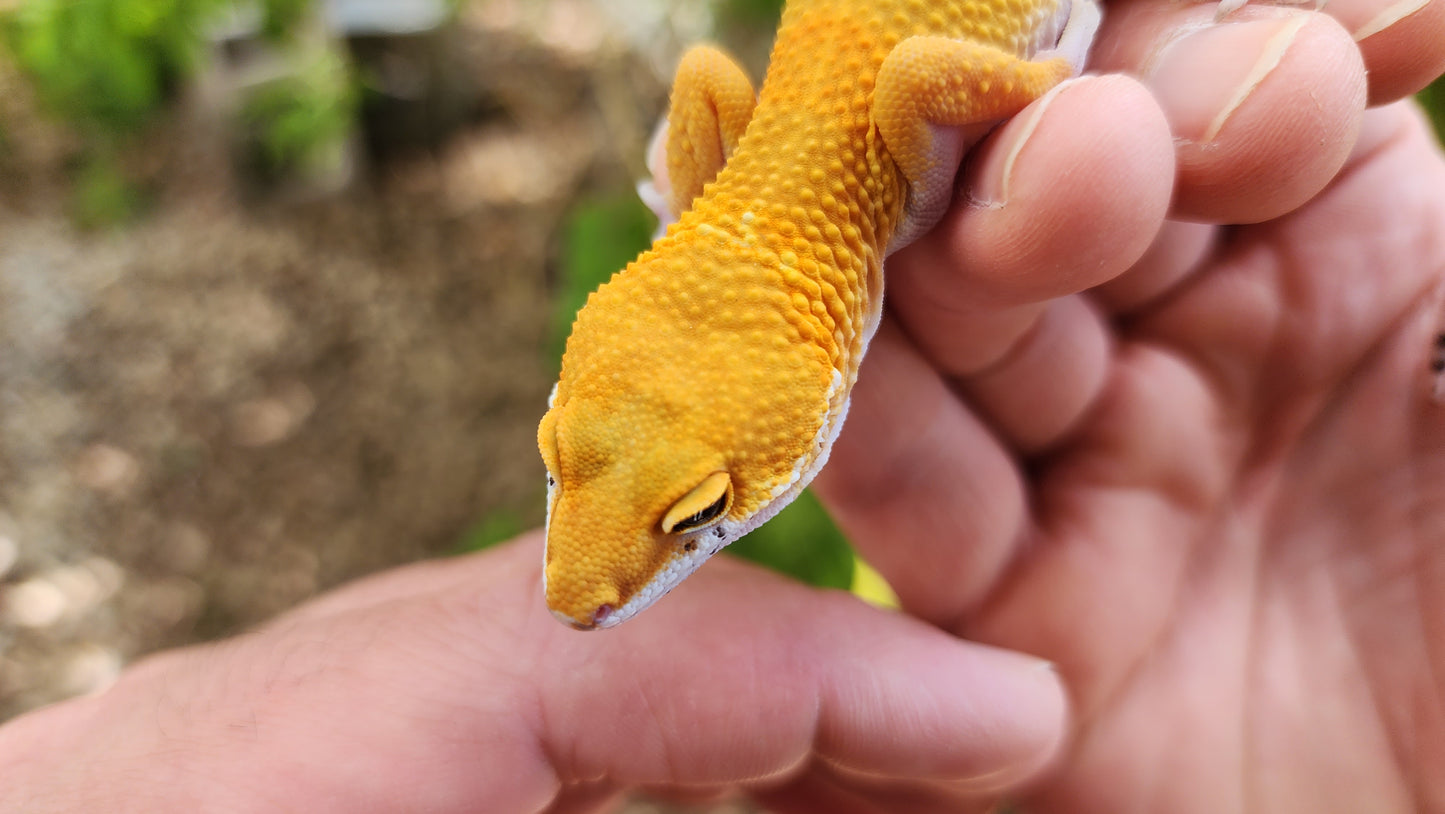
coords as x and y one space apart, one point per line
598 618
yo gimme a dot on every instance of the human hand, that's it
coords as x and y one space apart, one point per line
1210 441
1212 489
447 686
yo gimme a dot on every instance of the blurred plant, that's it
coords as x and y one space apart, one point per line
281 17
1433 98
746 28
497 527
749 12
106 65
600 237
301 120
802 542
102 195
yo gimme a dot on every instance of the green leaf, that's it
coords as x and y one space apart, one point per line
102 196
761 13
280 17
599 239
494 529
1433 99
299 119
802 542
106 65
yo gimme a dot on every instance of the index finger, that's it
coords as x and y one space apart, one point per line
453 689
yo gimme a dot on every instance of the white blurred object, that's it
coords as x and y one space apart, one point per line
343 17
9 553
349 17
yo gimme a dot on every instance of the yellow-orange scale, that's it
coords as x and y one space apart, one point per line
702 387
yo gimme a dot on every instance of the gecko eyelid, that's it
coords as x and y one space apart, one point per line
702 517
701 507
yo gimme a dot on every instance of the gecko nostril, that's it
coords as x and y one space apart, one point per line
600 615
575 624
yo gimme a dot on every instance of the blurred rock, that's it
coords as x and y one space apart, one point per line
260 422
35 603
244 400
162 605
263 421
9 553
107 469
353 17
499 168
184 547
90 669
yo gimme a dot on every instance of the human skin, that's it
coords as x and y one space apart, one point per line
1206 490
448 687
1212 488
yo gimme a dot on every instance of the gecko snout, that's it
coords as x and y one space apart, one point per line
580 599
597 618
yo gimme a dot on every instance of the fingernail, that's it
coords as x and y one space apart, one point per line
992 190
1206 75
1047 684
1387 17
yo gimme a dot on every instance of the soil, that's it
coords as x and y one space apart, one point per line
253 391
251 394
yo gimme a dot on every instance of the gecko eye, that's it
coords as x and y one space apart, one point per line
703 506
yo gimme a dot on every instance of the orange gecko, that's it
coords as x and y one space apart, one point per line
702 387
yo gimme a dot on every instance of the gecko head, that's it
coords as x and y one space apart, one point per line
627 519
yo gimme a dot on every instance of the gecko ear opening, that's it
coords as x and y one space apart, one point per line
706 504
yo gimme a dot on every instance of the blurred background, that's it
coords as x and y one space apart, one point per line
283 289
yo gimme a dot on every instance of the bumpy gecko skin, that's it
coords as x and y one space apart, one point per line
702 387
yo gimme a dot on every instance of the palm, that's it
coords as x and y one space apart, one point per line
1219 504
1274 601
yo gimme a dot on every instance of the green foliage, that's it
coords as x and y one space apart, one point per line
301 120
745 28
1433 98
280 17
106 65
758 13
497 527
803 542
599 238
103 197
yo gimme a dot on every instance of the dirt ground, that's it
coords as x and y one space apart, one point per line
251 395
